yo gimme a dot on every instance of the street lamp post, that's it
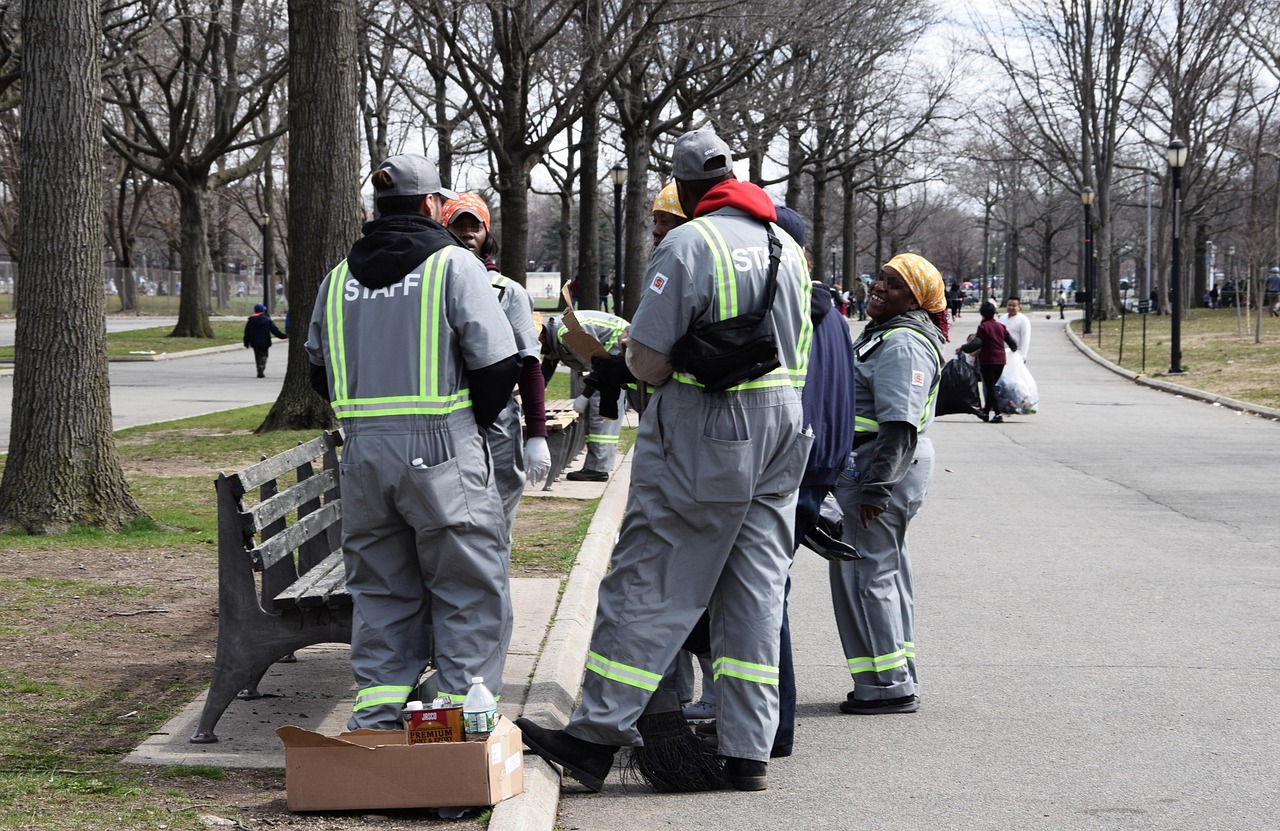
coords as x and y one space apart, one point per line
265 222
1177 156
1086 197
618 174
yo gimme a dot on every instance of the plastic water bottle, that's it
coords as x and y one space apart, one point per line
479 709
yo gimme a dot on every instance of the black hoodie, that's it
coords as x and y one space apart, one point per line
393 246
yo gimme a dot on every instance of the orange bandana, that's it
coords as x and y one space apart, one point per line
466 203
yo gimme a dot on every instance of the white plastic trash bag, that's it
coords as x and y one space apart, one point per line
1016 391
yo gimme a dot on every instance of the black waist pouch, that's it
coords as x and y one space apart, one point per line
725 353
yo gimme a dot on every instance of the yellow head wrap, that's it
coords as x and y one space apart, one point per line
668 201
924 280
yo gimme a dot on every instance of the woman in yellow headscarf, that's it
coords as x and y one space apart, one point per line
898 363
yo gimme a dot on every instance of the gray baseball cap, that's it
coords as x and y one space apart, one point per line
413 175
701 154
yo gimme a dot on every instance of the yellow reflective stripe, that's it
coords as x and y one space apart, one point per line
892 660
745 670
597 438
937 361
909 649
804 339
861 424
432 310
458 698
614 671
375 696
337 340
726 285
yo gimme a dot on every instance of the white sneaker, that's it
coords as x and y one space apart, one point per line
700 711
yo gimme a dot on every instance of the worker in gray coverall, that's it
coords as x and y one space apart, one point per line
710 514
515 455
897 366
408 341
602 433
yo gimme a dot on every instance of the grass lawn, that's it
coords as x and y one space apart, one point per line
105 637
1218 352
156 340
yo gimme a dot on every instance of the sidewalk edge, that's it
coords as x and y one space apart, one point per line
557 677
1166 386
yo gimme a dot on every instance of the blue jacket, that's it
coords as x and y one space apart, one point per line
828 392
258 330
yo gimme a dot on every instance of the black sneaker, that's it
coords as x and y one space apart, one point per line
585 475
585 761
880 706
746 774
997 419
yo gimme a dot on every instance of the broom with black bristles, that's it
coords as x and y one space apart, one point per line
673 759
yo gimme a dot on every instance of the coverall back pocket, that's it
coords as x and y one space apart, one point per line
724 471
440 495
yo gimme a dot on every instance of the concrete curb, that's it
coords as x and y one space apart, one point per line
6 366
1166 386
557 677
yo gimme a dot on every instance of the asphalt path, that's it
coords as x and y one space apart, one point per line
1097 590
146 392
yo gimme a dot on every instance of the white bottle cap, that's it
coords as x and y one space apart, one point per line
413 705
477 679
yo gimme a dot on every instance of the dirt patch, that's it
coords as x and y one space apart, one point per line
132 635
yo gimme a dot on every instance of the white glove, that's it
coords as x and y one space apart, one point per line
537 459
581 404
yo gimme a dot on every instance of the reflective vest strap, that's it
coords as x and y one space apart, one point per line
722 258
429 334
333 318
623 674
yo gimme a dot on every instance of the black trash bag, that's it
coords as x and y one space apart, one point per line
958 389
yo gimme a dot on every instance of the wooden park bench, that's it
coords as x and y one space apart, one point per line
281 582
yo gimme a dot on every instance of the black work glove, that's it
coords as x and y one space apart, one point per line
823 539
607 377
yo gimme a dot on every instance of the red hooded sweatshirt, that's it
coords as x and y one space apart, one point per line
741 195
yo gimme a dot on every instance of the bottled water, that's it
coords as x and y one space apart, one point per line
479 709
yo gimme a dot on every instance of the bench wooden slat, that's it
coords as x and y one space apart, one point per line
280 505
268 469
325 584
275 549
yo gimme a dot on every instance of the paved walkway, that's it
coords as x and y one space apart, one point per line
1096 590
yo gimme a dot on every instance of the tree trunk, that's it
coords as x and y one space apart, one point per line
638 242
848 233
513 192
193 303
63 470
589 296
324 204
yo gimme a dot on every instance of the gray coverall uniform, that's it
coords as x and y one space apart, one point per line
897 369
710 515
506 438
422 525
602 433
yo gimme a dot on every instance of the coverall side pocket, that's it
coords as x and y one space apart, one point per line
442 495
723 472
786 471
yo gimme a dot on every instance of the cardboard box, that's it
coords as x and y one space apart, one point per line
429 726
375 769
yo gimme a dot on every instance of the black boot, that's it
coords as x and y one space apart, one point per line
585 761
746 774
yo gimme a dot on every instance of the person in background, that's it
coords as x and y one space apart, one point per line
898 368
667 213
602 431
989 343
408 343
516 455
1272 296
258 330
860 298
1019 326
1062 305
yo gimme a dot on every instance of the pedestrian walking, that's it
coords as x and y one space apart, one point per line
258 330
710 516
1018 325
898 367
517 455
410 345
989 343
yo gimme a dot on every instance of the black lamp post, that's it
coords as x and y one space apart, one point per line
265 222
1177 156
1086 197
618 174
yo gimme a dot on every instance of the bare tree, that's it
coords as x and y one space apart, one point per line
324 204
1073 69
63 469
184 100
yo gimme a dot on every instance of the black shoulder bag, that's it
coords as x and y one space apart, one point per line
728 352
